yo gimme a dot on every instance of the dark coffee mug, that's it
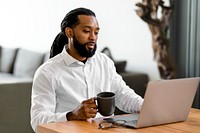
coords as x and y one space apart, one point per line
106 103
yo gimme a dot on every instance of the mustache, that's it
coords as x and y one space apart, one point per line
89 43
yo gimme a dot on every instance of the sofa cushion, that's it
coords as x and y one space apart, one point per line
27 62
7 59
8 78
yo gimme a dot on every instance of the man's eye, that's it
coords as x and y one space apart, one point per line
86 31
96 33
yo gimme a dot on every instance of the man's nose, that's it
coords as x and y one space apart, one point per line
92 36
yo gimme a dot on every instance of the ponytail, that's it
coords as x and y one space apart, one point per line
58 44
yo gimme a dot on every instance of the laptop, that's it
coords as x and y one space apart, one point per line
165 101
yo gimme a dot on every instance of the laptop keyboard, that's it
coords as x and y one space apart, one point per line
131 123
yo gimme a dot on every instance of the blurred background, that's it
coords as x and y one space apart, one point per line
33 24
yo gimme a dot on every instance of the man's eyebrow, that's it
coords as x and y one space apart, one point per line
91 27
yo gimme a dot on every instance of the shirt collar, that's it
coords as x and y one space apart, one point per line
69 60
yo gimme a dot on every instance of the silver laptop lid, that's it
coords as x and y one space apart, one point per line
167 101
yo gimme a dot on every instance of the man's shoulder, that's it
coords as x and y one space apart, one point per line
101 55
50 64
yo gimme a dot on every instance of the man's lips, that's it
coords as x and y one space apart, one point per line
90 45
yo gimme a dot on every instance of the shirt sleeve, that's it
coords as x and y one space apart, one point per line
126 98
43 101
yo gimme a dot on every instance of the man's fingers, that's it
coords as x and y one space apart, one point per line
94 106
91 113
90 110
91 100
90 103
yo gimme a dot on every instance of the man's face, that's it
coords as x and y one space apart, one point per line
85 36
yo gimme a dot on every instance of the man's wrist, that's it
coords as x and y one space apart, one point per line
70 116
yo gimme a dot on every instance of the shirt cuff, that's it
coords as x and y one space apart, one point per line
61 117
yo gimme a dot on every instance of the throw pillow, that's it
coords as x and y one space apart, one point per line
7 59
27 62
106 51
120 66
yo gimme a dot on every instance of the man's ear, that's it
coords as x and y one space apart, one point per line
68 32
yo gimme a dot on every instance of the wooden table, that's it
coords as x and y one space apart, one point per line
191 125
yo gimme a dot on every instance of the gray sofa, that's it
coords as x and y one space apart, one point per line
17 67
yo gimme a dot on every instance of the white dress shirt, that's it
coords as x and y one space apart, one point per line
62 83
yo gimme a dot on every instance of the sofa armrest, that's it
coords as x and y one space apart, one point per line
15 107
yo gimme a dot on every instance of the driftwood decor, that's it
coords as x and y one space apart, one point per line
148 11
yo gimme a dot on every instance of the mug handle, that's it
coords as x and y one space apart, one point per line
95 99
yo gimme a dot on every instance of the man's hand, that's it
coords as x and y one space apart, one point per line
87 109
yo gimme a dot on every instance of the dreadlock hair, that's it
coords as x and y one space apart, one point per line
70 20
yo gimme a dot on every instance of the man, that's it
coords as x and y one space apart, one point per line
65 86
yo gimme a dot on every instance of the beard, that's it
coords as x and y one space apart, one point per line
82 49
